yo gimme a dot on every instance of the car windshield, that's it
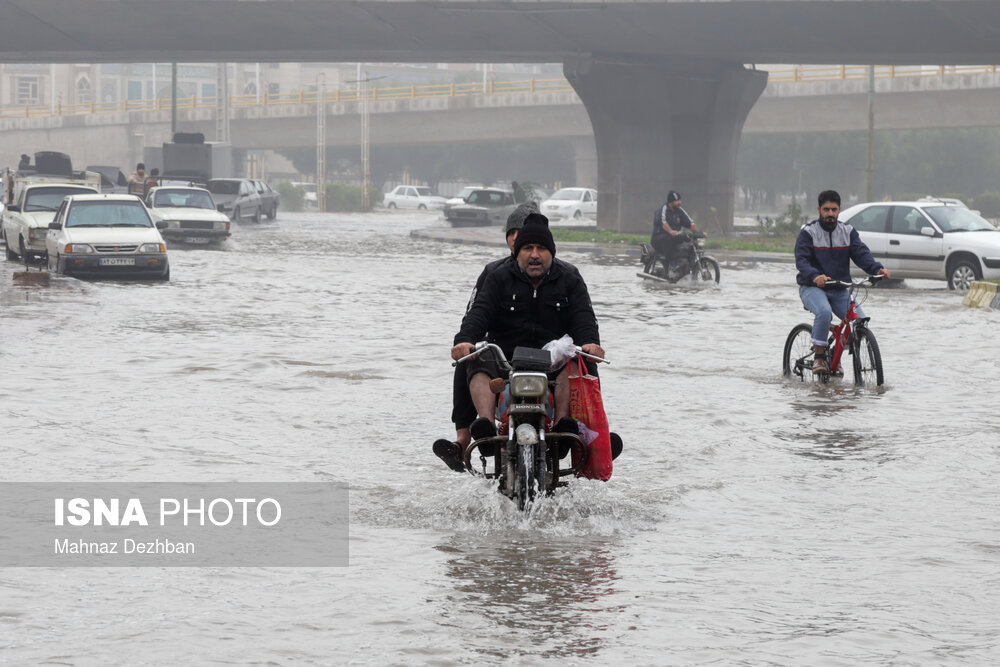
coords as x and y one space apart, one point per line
958 219
486 198
183 199
464 192
107 214
49 199
567 194
224 187
425 192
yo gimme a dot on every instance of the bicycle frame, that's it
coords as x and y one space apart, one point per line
841 335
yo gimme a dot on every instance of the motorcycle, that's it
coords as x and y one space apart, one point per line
525 455
689 260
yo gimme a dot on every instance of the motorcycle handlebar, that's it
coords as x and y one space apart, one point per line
482 346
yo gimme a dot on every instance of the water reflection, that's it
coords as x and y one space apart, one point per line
543 597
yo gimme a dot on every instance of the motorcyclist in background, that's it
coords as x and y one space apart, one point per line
668 224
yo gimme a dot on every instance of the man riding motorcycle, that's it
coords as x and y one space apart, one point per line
528 300
669 221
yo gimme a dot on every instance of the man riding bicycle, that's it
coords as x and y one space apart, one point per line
824 251
669 222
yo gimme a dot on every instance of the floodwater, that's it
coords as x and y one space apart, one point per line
751 520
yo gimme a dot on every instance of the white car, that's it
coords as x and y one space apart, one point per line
928 239
190 214
573 203
413 196
310 198
26 221
106 236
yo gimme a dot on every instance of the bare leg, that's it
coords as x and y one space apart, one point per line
483 397
463 436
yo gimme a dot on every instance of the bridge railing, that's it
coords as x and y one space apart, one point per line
302 97
844 72
777 74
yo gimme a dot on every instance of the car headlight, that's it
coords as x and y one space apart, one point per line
37 233
529 384
173 223
146 248
78 249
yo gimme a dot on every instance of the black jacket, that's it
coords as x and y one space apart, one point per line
509 311
676 220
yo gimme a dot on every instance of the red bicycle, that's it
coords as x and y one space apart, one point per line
851 334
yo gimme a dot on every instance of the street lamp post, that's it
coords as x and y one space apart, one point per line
321 142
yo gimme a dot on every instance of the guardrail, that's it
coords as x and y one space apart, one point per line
776 75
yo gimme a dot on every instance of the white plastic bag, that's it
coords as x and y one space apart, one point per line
561 351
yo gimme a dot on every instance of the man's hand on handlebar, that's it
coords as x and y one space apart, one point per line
461 350
884 272
593 349
821 279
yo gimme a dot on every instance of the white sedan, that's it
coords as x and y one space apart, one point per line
573 203
931 239
414 196
190 214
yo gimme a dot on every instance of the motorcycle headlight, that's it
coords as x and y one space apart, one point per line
533 385
147 248
78 249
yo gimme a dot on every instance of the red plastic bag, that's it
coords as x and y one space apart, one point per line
587 406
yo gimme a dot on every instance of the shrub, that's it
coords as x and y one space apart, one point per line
988 204
344 197
292 197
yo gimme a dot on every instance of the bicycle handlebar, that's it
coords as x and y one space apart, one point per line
841 283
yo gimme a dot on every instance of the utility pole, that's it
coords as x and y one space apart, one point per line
870 168
366 203
321 142
222 104
173 100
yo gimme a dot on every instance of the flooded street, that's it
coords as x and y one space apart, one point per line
750 520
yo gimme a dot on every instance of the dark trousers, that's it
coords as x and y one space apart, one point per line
664 244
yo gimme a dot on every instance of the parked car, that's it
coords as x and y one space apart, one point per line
26 221
483 206
573 203
413 196
238 198
310 197
113 179
190 214
269 198
928 239
106 236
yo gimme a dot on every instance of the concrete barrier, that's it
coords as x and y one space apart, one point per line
982 295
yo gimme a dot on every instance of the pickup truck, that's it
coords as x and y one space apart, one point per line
31 202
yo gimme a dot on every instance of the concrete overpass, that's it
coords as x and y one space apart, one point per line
663 82
826 100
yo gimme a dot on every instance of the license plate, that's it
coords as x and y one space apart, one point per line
195 239
118 261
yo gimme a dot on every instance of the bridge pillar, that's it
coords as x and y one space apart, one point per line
585 162
670 125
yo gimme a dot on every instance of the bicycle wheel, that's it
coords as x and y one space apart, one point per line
708 269
867 359
798 355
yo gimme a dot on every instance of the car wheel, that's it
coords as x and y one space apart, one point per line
166 276
274 213
236 214
421 208
10 254
577 215
961 274
256 214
